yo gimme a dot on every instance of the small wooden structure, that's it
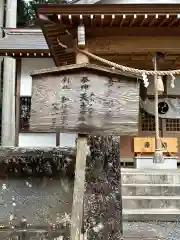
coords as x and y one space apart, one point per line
85 98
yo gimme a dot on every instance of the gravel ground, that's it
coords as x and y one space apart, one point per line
168 230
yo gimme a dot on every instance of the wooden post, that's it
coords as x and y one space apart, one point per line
81 58
8 103
79 181
17 101
78 196
9 78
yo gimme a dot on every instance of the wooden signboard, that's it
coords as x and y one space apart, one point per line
85 99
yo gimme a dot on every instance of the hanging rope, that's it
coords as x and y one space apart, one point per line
129 69
158 154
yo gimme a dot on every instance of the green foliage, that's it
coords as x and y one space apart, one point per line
26 13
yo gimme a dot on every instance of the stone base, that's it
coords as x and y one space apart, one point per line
146 162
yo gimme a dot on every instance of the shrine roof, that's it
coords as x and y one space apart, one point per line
84 66
23 41
104 20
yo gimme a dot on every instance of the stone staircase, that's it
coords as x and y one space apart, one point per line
150 195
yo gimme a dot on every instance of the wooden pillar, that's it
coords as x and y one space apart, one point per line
79 184
11 13
79 181
103 199
9 78
8 102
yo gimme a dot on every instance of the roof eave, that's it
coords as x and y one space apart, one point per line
17 31
105 8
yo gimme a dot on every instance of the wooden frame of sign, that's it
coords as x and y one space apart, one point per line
88 99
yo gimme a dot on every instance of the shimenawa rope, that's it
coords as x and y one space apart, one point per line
128 69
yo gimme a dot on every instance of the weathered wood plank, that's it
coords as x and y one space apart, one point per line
103 200
79 181
85 101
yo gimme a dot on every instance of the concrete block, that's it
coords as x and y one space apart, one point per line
165 215
146 162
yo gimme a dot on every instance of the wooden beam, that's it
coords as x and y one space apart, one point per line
133 31
173 21
142 64
122 20
133 20
88 9
144 20
102 19
81 18
164 20
112 20
91 17
136 44
153 21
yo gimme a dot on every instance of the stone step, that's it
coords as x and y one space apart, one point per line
150 178
151 189
142 215
147 202
150 171
142 234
